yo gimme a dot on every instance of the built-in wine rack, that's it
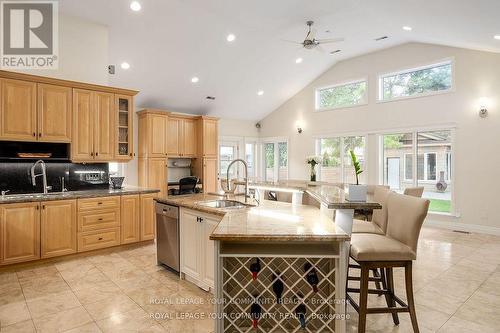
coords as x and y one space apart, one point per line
240 291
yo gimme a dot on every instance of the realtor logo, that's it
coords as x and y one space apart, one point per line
29 32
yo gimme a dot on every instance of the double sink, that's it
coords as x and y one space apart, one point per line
225 204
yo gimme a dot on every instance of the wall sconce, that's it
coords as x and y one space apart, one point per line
483 110
299 127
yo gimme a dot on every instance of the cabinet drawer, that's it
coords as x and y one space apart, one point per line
98 203
93 240
97 220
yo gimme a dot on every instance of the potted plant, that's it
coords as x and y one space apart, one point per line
357 192
313 160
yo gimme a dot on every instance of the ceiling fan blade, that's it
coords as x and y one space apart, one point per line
330 40
291 41
319 48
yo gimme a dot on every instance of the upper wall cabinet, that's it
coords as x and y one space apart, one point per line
125 112
153 130
93 126
35 112
181 137
97 121
54 113
18 110
208 140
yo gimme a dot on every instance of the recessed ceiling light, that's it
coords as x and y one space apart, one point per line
230 38
260 92
135 6
497 37
407 28
298 60
195 79
125 65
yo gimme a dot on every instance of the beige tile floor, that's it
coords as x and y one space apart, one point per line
456 282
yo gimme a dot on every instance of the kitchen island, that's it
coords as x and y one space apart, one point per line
278 266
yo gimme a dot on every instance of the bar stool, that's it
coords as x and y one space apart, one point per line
405 216
414 191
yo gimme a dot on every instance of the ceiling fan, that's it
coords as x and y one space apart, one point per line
310 42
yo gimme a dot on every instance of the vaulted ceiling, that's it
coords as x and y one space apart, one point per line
170 41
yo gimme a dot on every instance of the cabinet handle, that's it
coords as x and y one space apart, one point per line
96 154
99 203
100 219
92 154
100 238
130 154
43 207
39 135
34 134
37 207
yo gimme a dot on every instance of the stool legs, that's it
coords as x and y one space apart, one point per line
390 296
363 299
409 296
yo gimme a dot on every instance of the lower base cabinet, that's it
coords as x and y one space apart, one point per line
197 250
19 232
57 228
37 230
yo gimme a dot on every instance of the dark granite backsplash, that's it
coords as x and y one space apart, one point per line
15 176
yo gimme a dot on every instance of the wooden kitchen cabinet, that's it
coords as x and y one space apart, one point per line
18 110
130 219
124 121
181 137
82 145
153 174
93 126
153 132
174 130
54 113
148 217
104 126
209 136
209 179
197 250
19 232
58 228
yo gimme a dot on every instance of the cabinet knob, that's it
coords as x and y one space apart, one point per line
100 238
100 219
99 203
43 207
92 154
39 135
96 154
34 134
130 154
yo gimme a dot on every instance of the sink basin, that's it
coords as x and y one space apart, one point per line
223 204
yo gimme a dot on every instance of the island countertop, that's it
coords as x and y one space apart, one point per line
96 193
333 196
270 221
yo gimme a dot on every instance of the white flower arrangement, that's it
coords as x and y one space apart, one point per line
314 159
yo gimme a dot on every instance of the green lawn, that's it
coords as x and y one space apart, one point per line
438 205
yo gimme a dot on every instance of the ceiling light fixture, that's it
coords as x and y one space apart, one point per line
298 60
497 37
125 65
230 38
407 28
195 79
135 6
260 92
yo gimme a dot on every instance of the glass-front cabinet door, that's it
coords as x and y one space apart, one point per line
125 122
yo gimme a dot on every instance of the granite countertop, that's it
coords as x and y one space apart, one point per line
34 197
333 196
270 221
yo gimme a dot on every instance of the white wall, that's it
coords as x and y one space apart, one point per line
236 127
83 52
477 74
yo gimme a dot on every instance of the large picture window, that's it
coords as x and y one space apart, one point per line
337 166
341 95
418 81
428 155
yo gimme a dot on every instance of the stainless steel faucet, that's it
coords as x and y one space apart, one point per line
43 174
246 177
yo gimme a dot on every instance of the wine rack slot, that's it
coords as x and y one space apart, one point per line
240 291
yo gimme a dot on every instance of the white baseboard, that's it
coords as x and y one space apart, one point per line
476 228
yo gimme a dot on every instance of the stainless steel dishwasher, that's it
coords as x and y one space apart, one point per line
167 236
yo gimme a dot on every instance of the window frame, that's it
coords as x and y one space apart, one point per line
342 149
452 127
276 168
426 179
336 85
381 76
404 167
